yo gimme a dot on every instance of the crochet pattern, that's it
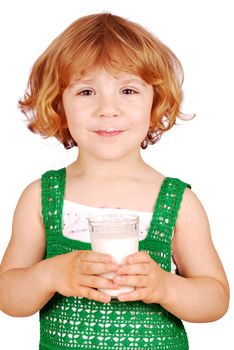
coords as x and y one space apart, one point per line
79 323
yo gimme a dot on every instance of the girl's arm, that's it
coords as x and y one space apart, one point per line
27 282
200 293
23 277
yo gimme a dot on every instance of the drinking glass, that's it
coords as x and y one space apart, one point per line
116 235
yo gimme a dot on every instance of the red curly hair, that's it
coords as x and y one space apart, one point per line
112 42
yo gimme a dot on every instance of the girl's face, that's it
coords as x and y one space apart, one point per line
108 116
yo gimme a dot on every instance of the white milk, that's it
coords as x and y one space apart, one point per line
119 248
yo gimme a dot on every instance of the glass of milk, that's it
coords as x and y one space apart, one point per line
117 235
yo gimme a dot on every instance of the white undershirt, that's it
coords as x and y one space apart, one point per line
75 223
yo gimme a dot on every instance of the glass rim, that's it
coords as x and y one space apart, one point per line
120 218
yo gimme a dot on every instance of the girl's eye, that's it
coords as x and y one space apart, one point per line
85 92
129 91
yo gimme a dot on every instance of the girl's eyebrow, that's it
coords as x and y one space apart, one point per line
79 81
133 80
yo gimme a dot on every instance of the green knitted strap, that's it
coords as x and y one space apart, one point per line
169 201
158 240
53 188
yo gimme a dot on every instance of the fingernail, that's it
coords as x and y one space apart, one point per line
116 267
118 278
108 258
106 299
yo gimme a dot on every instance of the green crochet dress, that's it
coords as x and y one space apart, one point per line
79 323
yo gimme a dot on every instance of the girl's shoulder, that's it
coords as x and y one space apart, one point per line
30 199
32 191
191 207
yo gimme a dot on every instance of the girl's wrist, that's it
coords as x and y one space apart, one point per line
171 292
47 267
163 292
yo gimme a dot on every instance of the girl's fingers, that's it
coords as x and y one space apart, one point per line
135 269
91 256
139 257
134 281
137 294
97 282
93 294
88 268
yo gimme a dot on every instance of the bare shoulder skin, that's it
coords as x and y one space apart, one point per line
27 243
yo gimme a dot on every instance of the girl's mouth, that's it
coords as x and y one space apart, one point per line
108 132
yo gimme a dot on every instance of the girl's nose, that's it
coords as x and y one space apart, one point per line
108 107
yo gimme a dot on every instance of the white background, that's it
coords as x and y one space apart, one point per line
199 151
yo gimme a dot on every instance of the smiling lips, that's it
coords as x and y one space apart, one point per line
108 132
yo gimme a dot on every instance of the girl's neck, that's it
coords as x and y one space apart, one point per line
101 169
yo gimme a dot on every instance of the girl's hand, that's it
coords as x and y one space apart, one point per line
78 274
143 273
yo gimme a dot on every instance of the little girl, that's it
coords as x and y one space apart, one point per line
109 87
